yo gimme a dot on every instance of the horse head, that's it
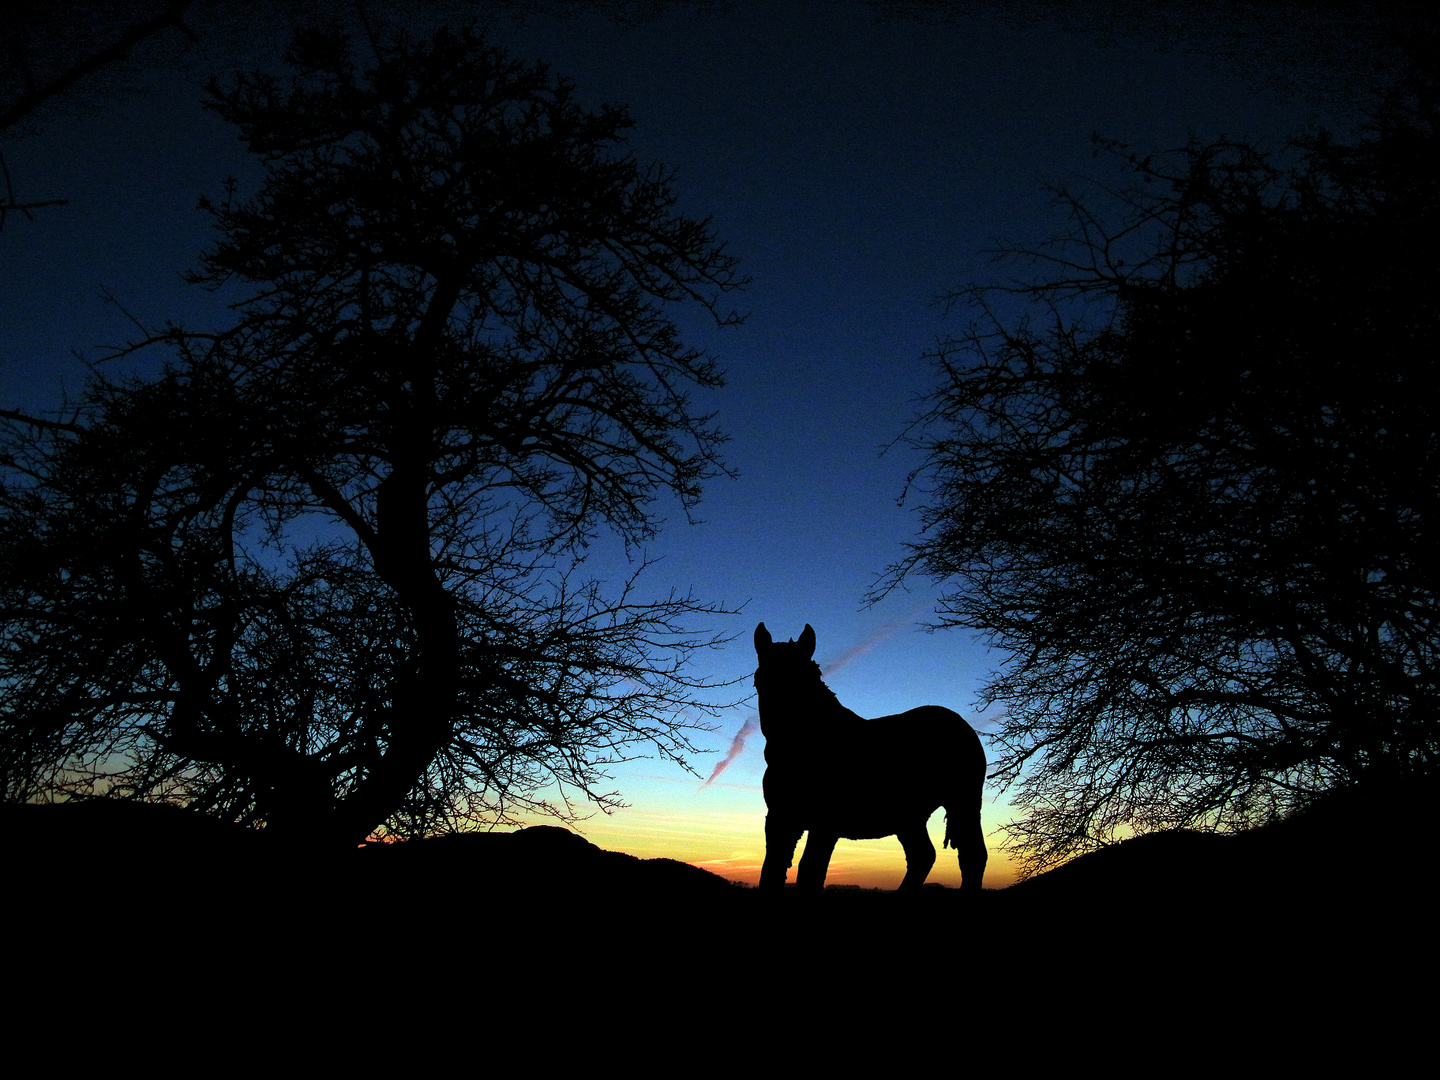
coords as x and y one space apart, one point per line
788 683
783 663
767 648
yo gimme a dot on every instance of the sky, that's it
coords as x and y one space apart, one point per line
859 171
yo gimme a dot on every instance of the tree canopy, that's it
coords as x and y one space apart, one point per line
322 574
1187 497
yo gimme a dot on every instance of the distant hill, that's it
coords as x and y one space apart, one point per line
1165 948
157 872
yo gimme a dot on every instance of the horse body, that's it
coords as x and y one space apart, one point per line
833 773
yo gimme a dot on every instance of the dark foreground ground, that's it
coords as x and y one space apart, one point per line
1310 934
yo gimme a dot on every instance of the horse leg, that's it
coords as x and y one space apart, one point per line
973 858
919 856
816 861
781 836
969 845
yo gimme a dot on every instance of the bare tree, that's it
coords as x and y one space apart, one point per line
1188 501
323 574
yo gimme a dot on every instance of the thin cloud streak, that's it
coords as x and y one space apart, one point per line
737 746
887 630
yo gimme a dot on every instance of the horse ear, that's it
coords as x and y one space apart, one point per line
762 637
807 641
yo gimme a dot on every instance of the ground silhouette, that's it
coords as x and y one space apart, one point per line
1180 936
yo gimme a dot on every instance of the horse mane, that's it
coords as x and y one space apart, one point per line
819 679
830 699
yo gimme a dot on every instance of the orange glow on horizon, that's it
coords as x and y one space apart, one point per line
736 850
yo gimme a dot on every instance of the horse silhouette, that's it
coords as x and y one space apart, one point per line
836 774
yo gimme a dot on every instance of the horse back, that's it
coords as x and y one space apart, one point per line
866 772
931 727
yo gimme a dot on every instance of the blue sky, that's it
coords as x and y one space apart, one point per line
857 170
